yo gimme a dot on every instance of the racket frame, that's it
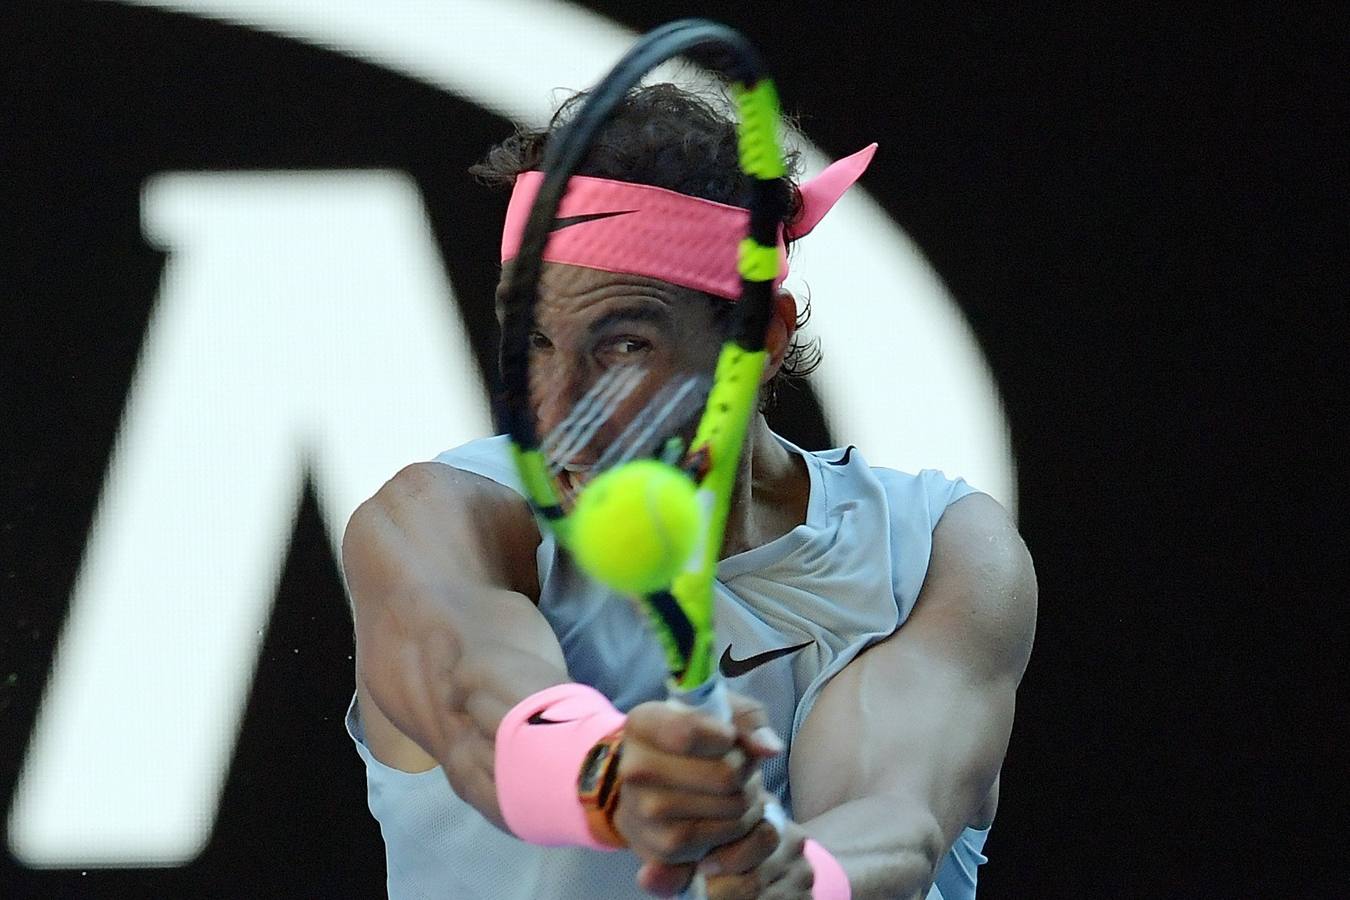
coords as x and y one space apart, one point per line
683 615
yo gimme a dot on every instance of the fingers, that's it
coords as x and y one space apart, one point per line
753 731
672 747
676 729
659 803
682 731
691 783
642 765
661 830
763 865
743 855
664 879
792 884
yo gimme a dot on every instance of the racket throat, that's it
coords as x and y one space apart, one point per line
688 648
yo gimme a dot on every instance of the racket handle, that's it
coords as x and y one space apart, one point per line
711 697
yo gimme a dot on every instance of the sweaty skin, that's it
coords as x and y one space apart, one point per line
441 570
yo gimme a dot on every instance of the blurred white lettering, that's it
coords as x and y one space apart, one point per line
300 314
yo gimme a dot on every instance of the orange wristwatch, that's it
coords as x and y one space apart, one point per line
598 788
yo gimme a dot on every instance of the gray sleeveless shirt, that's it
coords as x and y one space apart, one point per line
843 580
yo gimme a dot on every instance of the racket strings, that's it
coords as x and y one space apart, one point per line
676 404
570 437
657 429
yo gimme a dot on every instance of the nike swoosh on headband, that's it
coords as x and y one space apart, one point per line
669 236
734 668
568 221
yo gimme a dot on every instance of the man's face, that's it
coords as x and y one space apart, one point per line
635 333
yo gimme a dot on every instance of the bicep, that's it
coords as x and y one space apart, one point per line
931 706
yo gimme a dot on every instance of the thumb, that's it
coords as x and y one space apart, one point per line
753 730
664 879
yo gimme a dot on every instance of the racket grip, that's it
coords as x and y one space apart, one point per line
711 697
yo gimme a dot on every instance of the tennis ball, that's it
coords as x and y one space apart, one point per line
634 526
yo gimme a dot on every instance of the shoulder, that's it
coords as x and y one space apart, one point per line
977 535
472 477
435 489
488 458
928 491
982 581
434 516
847 478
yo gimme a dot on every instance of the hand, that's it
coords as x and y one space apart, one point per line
689 783
763 865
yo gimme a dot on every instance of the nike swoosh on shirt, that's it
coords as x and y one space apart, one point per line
567 221
734 668
843 460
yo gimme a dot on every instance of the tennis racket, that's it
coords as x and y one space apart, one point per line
649 411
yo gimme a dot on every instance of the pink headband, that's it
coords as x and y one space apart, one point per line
618 226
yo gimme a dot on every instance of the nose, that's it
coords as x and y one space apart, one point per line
581 411
555 386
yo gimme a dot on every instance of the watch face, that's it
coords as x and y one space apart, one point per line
593 768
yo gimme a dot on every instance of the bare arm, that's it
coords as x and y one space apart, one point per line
931 708
441 570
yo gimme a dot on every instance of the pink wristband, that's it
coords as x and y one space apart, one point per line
831 883
541 745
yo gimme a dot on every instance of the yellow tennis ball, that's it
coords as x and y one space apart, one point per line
634 527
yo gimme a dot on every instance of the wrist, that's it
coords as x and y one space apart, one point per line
547 757
830 882
598 788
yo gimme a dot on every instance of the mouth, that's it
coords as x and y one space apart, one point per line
571 478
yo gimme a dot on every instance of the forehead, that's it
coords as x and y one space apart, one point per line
569 291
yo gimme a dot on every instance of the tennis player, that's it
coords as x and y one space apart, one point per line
873 625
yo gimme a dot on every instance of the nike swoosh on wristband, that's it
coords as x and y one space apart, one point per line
734 668
538 719
567 221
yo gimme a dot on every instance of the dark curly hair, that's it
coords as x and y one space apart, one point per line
665 136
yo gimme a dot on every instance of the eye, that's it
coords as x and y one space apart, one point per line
624 349
632 345
538 341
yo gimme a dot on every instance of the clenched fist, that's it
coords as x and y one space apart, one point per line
690 783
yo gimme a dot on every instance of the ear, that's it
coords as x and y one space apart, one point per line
778 339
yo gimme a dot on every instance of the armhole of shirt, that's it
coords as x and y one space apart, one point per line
490 458
356 730
938 492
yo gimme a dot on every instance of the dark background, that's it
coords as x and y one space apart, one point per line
1138 212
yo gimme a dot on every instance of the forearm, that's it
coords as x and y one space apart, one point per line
889 847
434 668
440 568
444 677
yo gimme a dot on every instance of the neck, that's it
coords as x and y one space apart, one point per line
771 492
